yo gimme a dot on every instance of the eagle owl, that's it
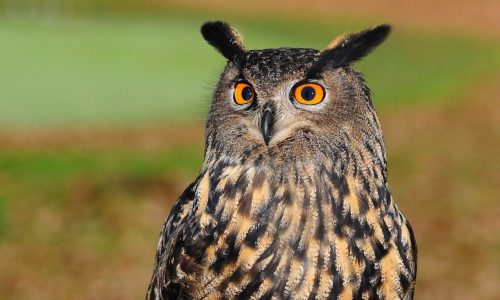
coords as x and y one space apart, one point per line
292 200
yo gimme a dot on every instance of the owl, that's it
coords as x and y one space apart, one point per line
292 200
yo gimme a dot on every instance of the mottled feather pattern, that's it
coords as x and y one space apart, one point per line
303 213
324 228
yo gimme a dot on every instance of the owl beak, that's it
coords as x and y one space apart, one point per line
267 123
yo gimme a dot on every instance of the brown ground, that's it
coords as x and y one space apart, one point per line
477 16
443 170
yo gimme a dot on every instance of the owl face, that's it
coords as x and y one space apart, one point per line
288 98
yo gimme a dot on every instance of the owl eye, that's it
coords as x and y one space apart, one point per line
243 93
309 93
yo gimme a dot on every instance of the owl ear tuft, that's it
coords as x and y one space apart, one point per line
351 47
226 39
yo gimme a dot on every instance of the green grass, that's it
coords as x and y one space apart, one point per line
61 164
80 208
32 180
122 71
49 169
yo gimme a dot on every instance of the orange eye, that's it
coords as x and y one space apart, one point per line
243 93
309 93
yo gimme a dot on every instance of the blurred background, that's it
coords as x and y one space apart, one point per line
102 105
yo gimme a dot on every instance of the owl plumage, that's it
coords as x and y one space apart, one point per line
292 200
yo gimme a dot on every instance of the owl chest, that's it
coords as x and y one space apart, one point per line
286 236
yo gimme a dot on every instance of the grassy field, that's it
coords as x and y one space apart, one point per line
101 129
124 71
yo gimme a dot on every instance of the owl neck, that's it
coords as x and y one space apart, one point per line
334 169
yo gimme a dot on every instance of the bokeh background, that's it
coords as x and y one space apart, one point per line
102 105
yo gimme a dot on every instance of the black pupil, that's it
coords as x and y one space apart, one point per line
247 93
308 93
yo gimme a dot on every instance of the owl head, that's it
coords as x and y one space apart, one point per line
295 102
